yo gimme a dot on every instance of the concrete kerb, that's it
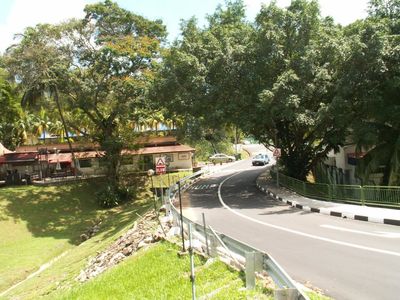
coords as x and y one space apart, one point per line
326 210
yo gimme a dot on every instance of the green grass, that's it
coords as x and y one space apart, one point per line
39 223
165 180
159 273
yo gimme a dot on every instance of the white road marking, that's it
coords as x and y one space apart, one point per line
202 186
389 235
381 251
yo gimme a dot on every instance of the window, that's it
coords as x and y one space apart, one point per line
169 158
183 156
85 163
127 160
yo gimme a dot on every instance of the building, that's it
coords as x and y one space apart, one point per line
56 160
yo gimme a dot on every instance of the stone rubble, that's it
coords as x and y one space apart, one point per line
144 232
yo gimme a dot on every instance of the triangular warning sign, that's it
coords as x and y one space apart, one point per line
160 161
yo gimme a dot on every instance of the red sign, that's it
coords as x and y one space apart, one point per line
161 169
277 152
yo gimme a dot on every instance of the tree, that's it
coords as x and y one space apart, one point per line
203 74
9 113
37 63
369 87
295 58
106 63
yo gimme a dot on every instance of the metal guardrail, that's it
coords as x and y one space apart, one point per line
237 248
385 196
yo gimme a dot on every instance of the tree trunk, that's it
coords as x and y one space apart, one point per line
56 98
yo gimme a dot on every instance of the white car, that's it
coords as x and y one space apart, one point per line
260 160
221 157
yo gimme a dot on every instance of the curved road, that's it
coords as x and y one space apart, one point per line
347 259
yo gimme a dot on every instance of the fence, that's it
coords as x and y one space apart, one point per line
238 251
365 195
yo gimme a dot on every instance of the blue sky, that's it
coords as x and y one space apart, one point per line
15 15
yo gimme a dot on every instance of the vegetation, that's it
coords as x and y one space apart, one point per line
41 223
139 278
9 133
99 67
292 79
69 211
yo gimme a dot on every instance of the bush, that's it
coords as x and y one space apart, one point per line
108 196
111 196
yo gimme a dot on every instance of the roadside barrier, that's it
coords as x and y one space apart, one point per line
385 196
233 251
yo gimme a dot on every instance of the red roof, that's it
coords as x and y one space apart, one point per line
61 157
21 157
161 149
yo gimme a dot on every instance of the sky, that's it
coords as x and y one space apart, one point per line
15 15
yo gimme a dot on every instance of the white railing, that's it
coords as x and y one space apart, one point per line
238 253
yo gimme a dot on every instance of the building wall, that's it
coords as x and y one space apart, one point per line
175 161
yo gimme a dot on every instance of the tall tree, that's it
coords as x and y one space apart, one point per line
9 113
202 74
38 64
369 87
295 59
106 65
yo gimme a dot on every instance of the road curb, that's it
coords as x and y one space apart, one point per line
328 211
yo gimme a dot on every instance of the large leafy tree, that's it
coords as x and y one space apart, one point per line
106 63
204 71
369 87
9 113
296 54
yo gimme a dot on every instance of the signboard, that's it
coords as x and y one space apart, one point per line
160 160
277 152
161 168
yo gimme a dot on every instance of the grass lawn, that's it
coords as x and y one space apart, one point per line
159 273
165 180
39 223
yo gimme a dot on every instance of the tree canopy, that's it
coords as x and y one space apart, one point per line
100 67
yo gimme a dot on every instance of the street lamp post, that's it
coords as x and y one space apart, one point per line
150 173
180 210
277 160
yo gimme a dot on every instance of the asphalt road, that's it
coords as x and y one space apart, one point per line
347 259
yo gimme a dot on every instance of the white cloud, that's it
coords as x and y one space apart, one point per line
29 13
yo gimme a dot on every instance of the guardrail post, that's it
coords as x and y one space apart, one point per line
286 294
362 195
205 234
250 271
254 263
213 246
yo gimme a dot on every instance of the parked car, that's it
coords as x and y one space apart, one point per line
260 160
221 158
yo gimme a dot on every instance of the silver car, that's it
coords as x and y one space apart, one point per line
221 158
260 160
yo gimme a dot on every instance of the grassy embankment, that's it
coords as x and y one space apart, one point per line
159 273
38 224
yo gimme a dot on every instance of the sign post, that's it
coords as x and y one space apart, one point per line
277 155
161 168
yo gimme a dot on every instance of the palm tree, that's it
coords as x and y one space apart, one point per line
42 77
43 124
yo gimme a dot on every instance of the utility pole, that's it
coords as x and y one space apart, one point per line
277 158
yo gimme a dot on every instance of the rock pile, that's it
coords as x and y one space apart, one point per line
145 231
